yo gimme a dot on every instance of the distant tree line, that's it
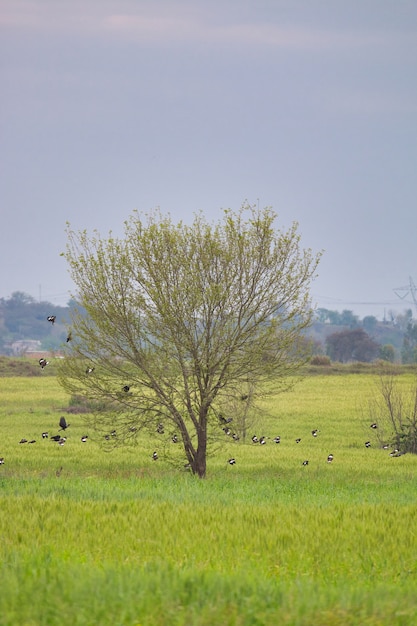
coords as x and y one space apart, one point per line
22 317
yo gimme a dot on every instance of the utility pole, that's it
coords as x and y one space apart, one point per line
410 289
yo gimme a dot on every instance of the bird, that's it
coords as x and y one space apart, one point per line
235 436
277 439
396 452
58 472
225 420
2 460
330 458
45 435
298 440
63 423
160 429
62 441
51 318
126 388
262 441
43 363
227 430
32 441
155 455
23 441
55 437
374 425
385 446
315 432
174 439
84 438
255 439
367 444
244 397
89 370
305 462
232 461
69 336
113 433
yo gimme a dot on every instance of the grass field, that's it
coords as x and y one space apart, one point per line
96 538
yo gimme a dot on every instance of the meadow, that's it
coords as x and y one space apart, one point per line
90 537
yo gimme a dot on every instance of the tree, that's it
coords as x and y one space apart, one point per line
351 345
187 319
409 347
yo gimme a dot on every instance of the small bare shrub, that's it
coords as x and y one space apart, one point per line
394 411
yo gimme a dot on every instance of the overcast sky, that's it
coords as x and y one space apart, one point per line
308 106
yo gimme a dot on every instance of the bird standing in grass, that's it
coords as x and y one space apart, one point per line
330 458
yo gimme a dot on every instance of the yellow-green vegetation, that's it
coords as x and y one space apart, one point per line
89 537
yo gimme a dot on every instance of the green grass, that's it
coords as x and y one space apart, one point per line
116 538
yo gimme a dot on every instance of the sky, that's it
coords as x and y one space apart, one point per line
306 106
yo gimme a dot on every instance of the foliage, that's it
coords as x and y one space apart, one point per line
409 348
22 318
185 321
344 318
320 359
351 345
387 352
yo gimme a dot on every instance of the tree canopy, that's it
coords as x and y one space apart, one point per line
183 323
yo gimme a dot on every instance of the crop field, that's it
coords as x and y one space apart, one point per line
89 537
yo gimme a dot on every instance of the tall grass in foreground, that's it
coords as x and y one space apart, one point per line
94 538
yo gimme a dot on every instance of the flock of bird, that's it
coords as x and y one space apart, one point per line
224 422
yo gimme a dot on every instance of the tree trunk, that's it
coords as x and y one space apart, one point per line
200 460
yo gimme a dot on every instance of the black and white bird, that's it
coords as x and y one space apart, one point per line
43 363
277 439
262 441
255 439
51 318
374 425
174 439
396 452
367 444
330 458
84 438
160 428
305 462
2 460
62 441
126 388
315 432
298 440
89 370
63 423
155 455
232 461
45 435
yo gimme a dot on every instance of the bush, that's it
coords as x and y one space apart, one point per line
320 359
